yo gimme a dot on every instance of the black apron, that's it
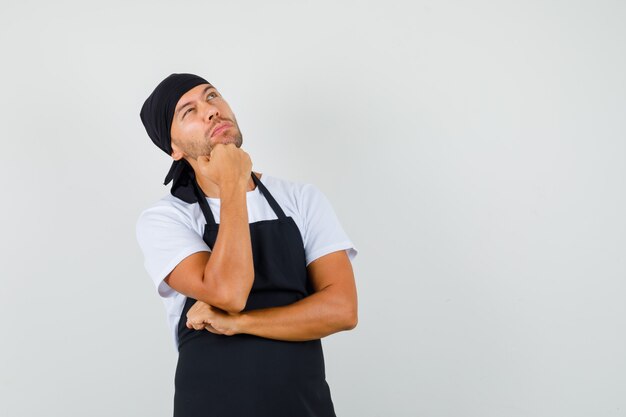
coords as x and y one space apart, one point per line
245 375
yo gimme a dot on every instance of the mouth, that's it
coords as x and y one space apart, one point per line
220 128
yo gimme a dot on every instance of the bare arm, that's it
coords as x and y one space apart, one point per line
223 277
330 309
229 273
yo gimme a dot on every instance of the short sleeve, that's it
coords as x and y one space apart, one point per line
166 237
323 232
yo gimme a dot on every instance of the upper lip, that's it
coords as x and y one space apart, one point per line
219 126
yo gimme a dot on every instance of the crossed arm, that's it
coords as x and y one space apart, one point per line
331 308
221 281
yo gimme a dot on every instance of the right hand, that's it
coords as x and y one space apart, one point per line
226 165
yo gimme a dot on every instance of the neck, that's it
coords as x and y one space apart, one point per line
212 190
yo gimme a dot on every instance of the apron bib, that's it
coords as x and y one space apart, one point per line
245 375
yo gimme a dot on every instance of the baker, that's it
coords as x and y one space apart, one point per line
253 269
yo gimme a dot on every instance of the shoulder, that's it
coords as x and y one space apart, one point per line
282 185
298 193
312 209
167 210
321 230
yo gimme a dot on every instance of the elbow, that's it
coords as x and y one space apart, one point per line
352 322
234 300
225 297
350 319
230 303
234 306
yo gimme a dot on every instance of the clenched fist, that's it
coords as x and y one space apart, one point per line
204 316
226 165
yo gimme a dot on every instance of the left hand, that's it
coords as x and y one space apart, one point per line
204 316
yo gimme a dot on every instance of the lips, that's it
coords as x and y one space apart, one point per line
219 128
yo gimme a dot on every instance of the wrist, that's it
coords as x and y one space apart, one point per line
234 184
243 323
235 188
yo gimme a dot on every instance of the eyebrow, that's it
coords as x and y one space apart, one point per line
207 88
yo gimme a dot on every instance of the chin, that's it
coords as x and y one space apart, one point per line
227 139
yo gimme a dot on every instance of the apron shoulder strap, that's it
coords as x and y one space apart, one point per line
208 214
204 206
270 199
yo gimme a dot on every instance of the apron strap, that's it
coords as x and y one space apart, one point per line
208 214
204 206
270 199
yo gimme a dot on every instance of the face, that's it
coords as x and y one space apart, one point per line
202 118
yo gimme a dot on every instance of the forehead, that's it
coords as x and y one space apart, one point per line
193 94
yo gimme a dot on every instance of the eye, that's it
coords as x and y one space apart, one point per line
187 111
211 95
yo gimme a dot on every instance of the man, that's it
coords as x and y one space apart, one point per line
253 270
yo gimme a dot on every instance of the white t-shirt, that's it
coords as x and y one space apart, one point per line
170 230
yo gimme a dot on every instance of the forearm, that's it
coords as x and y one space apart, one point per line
230 269
318 315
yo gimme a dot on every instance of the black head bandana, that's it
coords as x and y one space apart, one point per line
157 114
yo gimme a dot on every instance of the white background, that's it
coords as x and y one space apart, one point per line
473 150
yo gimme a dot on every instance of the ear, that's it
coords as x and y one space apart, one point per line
177 154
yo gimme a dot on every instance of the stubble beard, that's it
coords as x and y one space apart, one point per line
205 147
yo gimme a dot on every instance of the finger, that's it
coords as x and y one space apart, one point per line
211 329
191 323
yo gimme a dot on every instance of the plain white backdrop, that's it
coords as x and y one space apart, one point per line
474 151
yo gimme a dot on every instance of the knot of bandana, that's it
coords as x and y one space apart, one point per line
157 114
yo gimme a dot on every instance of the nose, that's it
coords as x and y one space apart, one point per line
210 111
